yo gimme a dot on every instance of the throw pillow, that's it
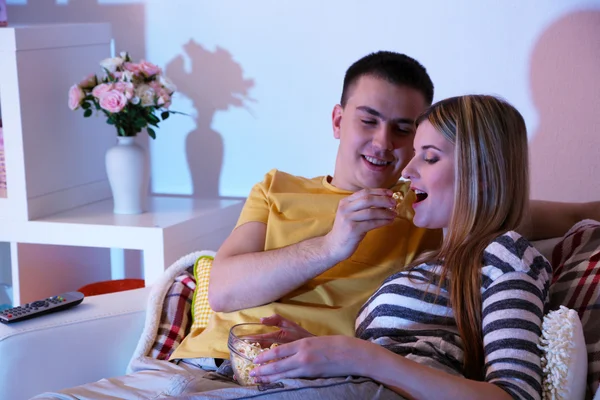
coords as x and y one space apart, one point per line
576 285
564 357
201 310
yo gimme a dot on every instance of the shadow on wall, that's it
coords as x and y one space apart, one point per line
565 150
214 82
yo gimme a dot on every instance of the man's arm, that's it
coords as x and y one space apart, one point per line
548 219
243 275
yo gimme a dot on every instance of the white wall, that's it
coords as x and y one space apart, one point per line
259 78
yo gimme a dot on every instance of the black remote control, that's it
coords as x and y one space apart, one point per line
41 307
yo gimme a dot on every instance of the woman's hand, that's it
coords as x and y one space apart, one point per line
288 331
313 357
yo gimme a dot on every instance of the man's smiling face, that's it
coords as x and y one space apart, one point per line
376 132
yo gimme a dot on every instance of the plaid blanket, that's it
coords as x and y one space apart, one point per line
176 317
576 285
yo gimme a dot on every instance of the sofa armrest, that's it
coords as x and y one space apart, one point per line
91 341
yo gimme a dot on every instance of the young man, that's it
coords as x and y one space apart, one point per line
313 250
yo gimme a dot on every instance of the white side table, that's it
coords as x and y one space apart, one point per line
172 228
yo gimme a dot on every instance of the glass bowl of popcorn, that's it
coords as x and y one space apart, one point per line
245 342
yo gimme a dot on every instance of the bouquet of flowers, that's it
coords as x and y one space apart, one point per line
130 95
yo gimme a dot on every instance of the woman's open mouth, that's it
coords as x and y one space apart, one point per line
421 195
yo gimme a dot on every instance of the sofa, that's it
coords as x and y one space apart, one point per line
93 340
68 348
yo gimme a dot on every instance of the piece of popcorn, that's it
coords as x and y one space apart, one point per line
241 366
398 196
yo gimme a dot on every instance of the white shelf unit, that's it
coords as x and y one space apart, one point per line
54 157
171 228
58 193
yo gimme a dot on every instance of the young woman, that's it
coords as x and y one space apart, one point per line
472 309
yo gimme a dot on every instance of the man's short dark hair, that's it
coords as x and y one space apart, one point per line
398 69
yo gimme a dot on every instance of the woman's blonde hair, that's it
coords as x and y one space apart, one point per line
490 198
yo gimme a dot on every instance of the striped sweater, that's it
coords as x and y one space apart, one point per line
406 317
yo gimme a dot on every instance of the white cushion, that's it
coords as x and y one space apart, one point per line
564 358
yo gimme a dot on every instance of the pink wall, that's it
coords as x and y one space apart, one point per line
565 85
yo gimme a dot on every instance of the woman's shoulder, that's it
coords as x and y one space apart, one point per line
511 252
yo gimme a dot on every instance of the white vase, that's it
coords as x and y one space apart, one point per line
129 175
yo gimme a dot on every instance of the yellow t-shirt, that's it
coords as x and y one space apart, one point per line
295 209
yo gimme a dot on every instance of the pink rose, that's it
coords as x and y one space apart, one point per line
132 67
126 88
113 101
165 93
164 101
76 95
101 89
155 86
88 82
160 91
149 69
